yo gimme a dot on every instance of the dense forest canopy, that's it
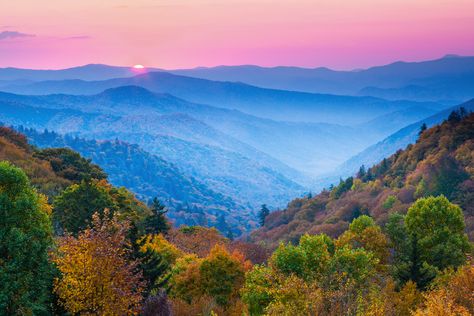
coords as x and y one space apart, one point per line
393 240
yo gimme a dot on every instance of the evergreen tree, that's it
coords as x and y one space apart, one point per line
429 239
422 129
25 239
264 211
157 223
361 174
454 117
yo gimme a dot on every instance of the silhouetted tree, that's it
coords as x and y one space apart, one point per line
422 129
264 211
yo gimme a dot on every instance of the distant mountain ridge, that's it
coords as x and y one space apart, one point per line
307 147
280 105
86 72
449 78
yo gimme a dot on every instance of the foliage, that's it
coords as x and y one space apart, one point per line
68 164
74 207
156 223
440 162
196 239
96 276
429 239
219 276
25 238
364 233
451 295
15 149
342 187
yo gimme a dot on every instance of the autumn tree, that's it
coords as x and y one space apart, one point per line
25 238
196 239
364 233
219 276
96 276
321 270
452 294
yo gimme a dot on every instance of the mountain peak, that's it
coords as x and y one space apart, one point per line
127 92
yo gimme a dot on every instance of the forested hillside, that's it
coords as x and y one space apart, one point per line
148 176
90 248
440 162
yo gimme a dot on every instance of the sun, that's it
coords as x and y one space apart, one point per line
138 66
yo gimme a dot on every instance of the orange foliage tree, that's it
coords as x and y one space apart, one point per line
214 280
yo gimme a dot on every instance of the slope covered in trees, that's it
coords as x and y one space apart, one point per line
189 201
97 250
440 162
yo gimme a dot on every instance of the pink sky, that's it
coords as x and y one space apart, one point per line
341 34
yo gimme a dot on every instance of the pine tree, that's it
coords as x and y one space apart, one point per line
264 211
422 129
157 223
361 174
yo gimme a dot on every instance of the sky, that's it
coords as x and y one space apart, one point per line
170 34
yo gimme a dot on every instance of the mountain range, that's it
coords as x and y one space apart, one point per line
448 79
233 137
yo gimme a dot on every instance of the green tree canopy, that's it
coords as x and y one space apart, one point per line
25 238
437 226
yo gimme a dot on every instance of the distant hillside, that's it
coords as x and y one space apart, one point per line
440 162
135 114
268 103
190 201
394 142
450 78
224 164
14 148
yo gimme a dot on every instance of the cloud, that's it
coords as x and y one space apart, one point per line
13 34
80 37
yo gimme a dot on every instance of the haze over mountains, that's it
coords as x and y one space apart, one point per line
238 136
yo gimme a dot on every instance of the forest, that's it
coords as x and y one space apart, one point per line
395 239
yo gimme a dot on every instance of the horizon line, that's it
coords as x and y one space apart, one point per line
445 56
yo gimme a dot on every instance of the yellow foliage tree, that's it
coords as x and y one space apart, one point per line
96 277
159 245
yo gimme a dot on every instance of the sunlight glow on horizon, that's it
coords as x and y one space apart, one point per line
342 34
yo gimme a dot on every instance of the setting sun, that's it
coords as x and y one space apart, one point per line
138 66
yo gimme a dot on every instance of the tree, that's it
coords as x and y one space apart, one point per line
156 256
364 233
454 117
157 223
73 209
362 172
219 276
96 276
437 226
264 212
422 129
70 164
25 238
429 239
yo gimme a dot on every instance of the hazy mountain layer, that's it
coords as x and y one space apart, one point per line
268 103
